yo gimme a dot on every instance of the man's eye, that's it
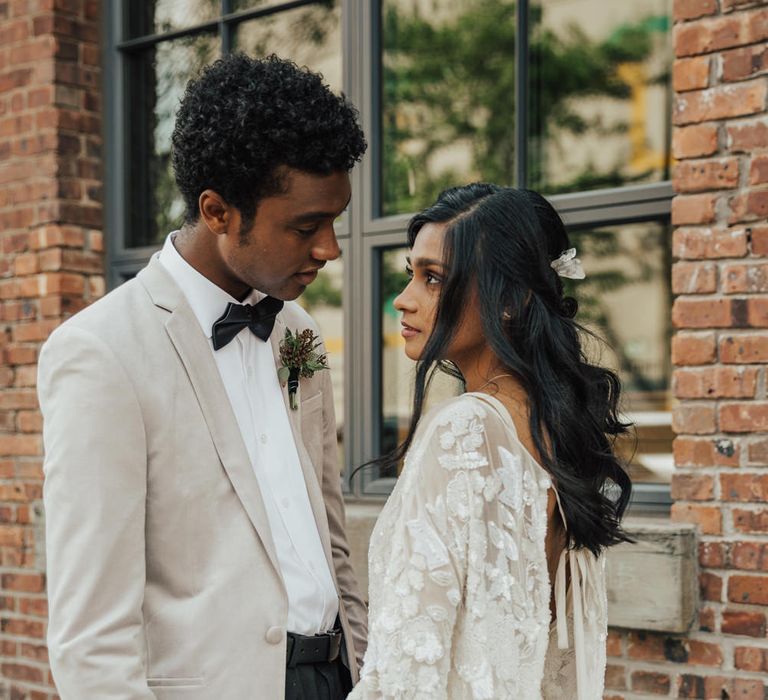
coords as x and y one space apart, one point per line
307 231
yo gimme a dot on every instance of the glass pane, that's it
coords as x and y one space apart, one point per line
159 16
310 36
397 371
626 299
600 93
323 299
156 81
447 98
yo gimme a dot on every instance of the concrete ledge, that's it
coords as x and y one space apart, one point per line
652 585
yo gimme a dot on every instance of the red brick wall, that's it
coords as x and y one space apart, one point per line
720 351
51 265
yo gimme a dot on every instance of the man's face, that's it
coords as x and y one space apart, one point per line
291 238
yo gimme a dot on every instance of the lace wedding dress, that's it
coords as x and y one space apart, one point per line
459 587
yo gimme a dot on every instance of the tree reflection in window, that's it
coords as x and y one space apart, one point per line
448 96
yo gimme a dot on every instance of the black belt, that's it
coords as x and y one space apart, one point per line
319 648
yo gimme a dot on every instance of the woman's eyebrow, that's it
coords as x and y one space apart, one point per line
424 262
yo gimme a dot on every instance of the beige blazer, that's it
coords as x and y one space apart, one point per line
163 579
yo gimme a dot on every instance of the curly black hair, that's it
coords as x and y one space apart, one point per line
243 118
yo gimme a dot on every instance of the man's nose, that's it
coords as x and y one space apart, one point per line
327 248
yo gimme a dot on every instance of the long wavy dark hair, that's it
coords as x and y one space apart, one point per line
504 240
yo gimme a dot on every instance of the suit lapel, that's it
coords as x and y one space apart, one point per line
314 489
200 365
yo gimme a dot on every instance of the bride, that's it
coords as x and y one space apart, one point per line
487 562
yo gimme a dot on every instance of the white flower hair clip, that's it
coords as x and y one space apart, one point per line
568 265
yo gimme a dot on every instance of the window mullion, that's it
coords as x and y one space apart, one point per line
521 94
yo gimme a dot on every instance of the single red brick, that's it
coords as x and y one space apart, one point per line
702 313
690 73
707 620
712 555
615 677
749 556
697 243
751 659
693 9
702 175
692 487
651 682
744 417
744 487
694 277
758 452
749 278
694 419
718 33
694 141
693 209
743 622
748 589
714 382
758 170
705 452
708 518
757 312
613 643
740 64
695 348
748 206
750 521
22 672
704 654
721 102
745 137
710 586
744 348
22 627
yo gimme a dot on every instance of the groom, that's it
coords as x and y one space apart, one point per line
194 519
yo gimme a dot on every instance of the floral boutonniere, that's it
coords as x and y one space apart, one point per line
299 358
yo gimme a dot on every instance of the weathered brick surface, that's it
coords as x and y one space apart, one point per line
51 262
720 317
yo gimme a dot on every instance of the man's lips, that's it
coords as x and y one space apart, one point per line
408 331
307 277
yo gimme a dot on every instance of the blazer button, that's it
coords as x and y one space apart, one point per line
274 635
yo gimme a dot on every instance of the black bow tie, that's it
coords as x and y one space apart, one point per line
260 318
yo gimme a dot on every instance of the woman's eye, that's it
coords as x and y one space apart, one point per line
432 279
409 271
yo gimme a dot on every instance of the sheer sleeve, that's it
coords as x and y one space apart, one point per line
459 588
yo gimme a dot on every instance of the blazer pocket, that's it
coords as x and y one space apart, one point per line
196 682
312 430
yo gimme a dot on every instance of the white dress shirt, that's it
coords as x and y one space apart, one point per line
247 368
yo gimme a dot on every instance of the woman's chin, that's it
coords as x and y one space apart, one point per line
413 353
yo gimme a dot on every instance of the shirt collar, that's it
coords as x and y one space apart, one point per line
208 301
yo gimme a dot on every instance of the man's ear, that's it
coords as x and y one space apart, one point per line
214 211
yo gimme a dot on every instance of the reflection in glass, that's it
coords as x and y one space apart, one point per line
309 36
447 98
625 300
323 299
160 16
157 78
599 94
397 371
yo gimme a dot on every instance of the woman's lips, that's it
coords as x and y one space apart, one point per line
408 331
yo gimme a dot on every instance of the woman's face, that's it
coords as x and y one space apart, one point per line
418 301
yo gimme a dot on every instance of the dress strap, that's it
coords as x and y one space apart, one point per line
579 575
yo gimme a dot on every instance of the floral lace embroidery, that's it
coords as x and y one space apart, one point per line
459 594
